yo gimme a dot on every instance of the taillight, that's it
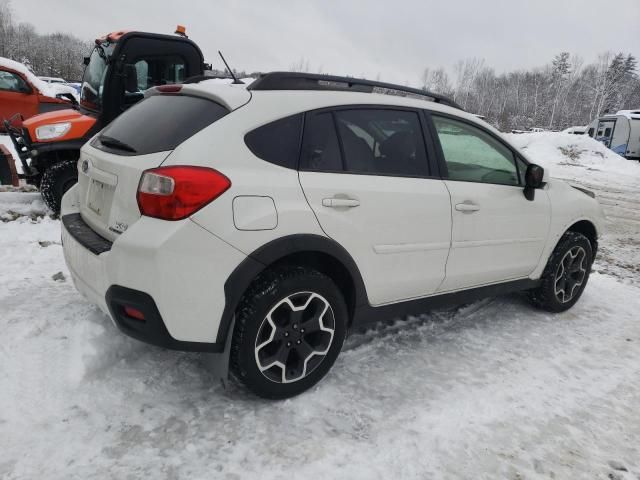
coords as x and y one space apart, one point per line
134 313
169 88
174 193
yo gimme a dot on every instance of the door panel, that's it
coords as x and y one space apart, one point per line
497 234
500 239
396 229
377 203
13 100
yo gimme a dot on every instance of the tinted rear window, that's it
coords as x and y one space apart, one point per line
277 142
158 123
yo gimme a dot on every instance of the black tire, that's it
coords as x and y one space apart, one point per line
546 296
57 179
269 292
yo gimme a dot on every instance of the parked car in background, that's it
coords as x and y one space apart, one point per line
53 80
77 86
620 132
576 130
264 222
25 95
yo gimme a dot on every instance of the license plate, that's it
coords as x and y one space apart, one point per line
98 192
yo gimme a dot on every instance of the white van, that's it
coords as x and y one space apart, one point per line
620 132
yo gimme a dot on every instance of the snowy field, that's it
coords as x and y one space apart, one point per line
490 390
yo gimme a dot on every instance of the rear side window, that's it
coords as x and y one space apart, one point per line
320 147
158 123
277 142
382 142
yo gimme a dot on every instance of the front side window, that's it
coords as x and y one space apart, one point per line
472 155
382 142
12 82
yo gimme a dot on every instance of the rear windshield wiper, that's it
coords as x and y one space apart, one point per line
115 143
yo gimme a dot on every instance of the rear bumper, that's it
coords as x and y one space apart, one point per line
174 272
152 329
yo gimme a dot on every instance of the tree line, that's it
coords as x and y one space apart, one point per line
562 93
51 55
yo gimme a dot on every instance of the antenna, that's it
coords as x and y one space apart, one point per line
235 80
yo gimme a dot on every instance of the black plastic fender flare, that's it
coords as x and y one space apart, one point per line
276 250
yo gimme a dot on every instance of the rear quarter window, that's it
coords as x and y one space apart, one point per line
158 123
277 142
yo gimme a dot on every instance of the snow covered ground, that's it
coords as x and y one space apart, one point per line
490 390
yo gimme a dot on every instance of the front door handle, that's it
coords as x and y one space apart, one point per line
467 207
340 202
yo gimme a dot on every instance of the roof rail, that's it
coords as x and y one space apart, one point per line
313 81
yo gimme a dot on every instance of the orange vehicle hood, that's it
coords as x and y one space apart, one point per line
80 124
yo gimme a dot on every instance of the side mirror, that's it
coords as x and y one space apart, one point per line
533 178
85 60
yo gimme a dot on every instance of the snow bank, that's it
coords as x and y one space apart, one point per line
552 149
47 89
18 203
495 389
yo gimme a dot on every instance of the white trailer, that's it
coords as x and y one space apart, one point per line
620 132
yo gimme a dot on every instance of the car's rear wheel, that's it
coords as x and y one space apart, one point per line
57 179
290 327
566 274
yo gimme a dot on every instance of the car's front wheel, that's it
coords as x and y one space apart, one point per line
566 274
289 330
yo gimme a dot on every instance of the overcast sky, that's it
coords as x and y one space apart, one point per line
393 39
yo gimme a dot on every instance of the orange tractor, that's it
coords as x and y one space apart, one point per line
120 68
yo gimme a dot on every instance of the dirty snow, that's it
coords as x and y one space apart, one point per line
490 390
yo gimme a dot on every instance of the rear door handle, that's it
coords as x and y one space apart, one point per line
467 207
340 202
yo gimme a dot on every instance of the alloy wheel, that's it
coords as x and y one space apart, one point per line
294 337
570 274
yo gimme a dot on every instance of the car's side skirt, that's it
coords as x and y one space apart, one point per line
367 314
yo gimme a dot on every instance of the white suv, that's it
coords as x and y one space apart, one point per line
265 222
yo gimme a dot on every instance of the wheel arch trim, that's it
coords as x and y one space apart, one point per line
554 239
278 250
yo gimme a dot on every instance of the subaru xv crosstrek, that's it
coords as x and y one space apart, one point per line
265 222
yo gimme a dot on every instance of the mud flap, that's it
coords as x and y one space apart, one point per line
218 363
8 173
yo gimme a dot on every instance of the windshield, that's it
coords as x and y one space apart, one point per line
94 75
